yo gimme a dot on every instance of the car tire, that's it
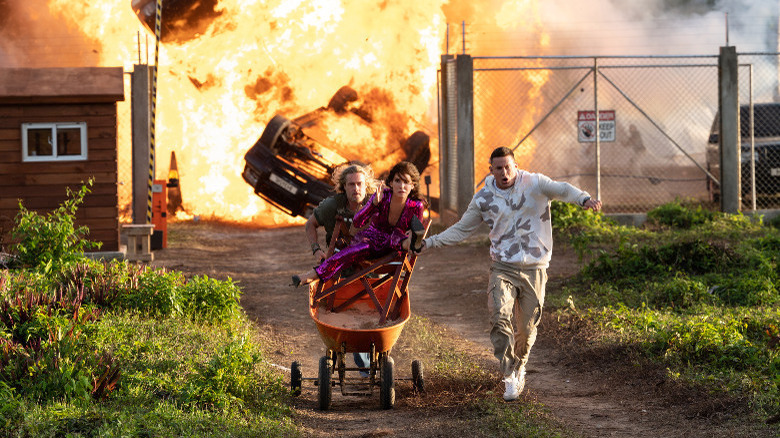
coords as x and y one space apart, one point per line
343 97
418 150
273 130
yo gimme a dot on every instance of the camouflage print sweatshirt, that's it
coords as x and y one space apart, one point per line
518 217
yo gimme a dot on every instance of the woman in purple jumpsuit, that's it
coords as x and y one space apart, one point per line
386 217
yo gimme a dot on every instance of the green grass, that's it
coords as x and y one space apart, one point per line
112 349
178 377
695 291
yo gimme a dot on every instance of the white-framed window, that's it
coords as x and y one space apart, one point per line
54 141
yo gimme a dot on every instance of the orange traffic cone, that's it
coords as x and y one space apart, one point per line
174 191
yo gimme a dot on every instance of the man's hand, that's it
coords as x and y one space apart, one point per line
592 204
319 255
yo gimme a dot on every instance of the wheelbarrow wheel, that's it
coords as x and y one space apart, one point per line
417 375
296 378
323 383
387 387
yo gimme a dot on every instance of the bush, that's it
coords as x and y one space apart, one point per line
682 292
50 242
565 216
681 216
211 300
155 292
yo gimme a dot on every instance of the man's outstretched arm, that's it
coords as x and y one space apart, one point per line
459 231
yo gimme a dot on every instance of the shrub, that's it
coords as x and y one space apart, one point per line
155 292
9 406
49 242
211 300
679 215
683 292
226 379
747 290
566 216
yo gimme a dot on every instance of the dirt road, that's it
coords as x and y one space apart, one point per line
592 398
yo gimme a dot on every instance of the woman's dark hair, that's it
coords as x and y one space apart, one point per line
406 168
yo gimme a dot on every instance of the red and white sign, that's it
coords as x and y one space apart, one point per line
586 125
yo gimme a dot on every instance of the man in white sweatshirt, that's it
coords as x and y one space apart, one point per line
515 204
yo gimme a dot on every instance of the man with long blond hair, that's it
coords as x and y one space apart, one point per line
352 184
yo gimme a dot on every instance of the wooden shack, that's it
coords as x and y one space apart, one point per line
58 128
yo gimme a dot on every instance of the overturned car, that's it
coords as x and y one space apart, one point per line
291 170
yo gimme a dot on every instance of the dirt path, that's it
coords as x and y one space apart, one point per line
448 288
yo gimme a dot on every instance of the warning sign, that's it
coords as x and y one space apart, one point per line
586 125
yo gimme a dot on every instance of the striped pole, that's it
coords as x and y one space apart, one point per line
149 184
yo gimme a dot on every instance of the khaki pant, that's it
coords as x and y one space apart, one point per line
515 300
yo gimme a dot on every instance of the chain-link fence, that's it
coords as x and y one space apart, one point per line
655 119
759 130
657 132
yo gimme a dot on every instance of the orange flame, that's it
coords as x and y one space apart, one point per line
258 58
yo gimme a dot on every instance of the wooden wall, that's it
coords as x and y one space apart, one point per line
41 185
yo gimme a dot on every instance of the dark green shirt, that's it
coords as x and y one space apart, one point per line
329 209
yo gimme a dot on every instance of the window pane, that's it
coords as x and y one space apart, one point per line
39 142
68 141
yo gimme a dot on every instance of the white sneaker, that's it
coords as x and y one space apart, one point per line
511 392
520 378
514 385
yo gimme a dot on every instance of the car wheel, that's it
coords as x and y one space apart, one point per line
418 150
342 98
273 130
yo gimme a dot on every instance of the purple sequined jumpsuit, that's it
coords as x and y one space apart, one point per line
376 240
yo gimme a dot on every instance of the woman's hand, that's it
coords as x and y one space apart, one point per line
380 188
406 244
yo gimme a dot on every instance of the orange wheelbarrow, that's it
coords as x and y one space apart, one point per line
362 313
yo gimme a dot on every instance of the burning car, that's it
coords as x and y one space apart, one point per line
291 170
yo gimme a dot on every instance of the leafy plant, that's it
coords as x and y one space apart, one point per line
680 215
9 406
156 292
567 216
49 242
211 300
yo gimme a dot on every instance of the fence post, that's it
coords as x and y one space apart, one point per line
728 103
448 125
464 65
141 127
598 129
